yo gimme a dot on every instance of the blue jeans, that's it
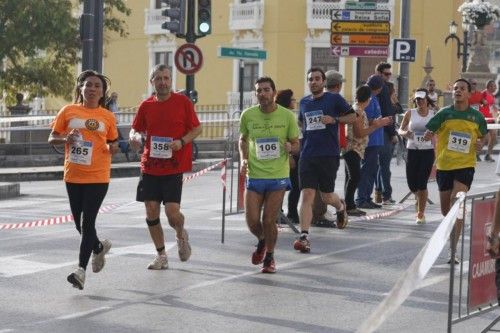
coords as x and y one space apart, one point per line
369 166
383 180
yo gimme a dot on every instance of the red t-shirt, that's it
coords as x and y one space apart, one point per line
167 120
475 100
485 108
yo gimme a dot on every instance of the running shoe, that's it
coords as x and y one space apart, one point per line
77 278
478 159
457 261
421 219
269 266
160 262
98 260
302 244
356 212
342 217
489 158
183 246
389 201
259 253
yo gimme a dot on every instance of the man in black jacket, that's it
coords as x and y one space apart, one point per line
383 188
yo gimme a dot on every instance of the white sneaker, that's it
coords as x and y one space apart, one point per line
183 246
160 262
330 214
98 260
77 278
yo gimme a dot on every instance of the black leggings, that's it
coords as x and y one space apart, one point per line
352 176
418 168
85 201
294 195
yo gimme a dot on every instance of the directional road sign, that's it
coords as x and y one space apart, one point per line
231 52
188 59
361 15
360 51
359 39
361 27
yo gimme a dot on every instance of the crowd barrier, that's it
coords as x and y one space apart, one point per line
476 293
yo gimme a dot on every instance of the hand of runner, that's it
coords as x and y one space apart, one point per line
74 136
479 145
493 246
176 145
244 167
428 135
135 140
327 120
288 147
113 147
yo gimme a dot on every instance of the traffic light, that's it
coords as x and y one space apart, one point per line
204 17
176 12
193 96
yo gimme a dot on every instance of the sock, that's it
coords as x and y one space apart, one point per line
159 249
303 234
269 256
99 248
261 244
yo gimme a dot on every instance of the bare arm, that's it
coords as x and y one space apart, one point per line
243 147
403 129
187 138
55 138
360 131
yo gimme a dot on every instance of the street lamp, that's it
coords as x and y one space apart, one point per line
462 48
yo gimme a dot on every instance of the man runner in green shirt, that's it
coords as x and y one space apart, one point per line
269 134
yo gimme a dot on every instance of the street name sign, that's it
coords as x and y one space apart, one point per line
360 5
361 15
359 39
360 27
231 52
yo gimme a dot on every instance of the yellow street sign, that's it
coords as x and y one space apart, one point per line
360 27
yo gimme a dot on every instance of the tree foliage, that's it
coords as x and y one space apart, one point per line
40 44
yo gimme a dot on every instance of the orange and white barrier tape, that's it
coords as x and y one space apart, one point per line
204 171
52 220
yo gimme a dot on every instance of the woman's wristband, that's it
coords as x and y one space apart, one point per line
183 143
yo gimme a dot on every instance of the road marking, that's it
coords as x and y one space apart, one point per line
82 314
12 266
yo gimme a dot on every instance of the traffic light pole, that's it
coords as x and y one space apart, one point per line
190 38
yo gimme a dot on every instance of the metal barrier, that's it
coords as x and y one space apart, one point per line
477 292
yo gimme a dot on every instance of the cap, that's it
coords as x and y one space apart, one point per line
333 78
420 94
375 82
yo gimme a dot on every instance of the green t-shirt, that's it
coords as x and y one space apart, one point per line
266 134
457 133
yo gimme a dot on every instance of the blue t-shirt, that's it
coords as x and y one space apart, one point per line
320 139
373 111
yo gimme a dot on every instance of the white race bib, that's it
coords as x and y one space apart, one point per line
313 120
267 148
81 153
459 142
160 147
420 143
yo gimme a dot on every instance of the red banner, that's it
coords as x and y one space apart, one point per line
482 289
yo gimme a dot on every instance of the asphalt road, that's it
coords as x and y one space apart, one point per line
332 289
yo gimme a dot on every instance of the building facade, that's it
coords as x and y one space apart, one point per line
296 36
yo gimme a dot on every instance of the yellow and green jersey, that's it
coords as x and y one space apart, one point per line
457 133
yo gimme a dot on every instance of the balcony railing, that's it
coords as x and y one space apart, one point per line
233 99
152 22
246 16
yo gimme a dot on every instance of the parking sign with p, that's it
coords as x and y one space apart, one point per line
404 50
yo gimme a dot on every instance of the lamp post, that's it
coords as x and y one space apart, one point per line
462 47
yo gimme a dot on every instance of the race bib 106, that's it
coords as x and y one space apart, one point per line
267 148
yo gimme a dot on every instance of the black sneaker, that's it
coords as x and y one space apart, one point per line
373 205
356 212
488 158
